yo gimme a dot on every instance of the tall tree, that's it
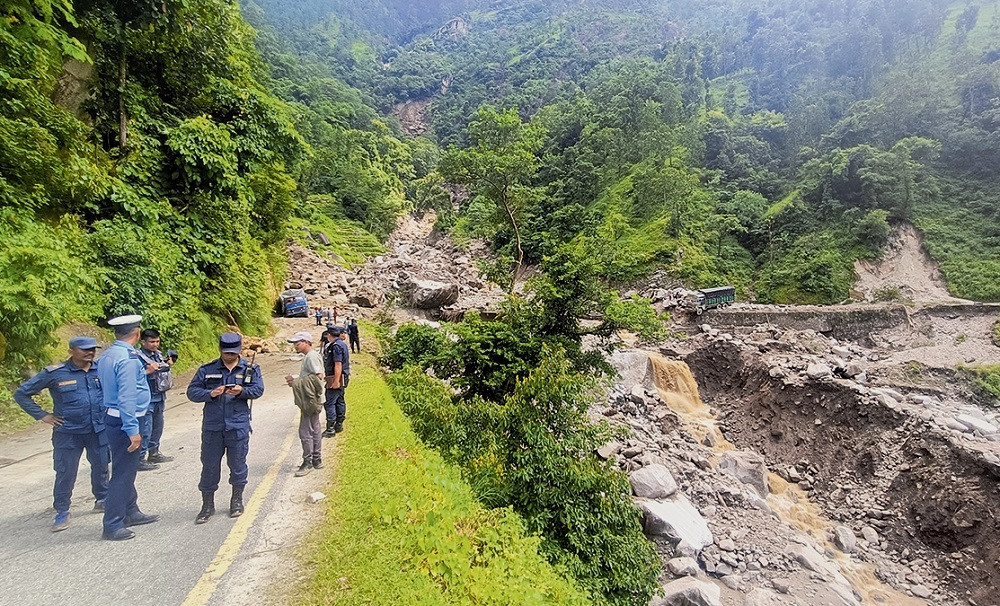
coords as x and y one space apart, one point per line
499 166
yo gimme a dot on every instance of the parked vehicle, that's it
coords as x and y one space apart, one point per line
294 304
711 298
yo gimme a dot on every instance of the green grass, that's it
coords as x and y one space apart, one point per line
986 379
404 528
350 244
963 241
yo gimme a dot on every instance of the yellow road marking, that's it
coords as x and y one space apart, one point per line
230 548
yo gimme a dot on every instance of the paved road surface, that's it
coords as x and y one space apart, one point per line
173 561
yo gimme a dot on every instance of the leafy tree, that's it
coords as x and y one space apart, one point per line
499 166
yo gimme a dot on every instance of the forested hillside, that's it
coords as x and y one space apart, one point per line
150 163
764 144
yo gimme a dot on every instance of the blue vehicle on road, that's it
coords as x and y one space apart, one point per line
294 304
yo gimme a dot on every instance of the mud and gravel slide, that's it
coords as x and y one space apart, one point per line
905 267
929 498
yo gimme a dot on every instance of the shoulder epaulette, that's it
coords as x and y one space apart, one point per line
52 367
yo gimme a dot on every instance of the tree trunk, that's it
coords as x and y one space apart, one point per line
517 237
122 120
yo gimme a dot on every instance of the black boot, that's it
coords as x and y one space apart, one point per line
236 503
207 507
305 468
329 433
317 462
338 427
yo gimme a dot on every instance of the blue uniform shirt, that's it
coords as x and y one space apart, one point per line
76 397
123 380
340 352
225 412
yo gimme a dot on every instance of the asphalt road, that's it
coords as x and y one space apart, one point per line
173 561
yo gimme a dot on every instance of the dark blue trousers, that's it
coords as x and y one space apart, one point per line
66 451
155 415
235 444
335 406
122 497
146 431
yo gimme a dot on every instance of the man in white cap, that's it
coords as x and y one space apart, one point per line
126 397
307 389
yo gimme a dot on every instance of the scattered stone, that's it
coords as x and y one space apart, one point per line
608 451
747 467
429 294
853 370
316 497
652 482
677 520
871 535
818 371
921 591
974 424
683 567
689 591
844 539
727 545
632 452
732 581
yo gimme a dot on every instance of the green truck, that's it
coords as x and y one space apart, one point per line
711 298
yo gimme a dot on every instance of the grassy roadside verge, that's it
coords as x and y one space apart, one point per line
404 528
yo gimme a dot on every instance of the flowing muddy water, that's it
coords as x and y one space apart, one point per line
678 387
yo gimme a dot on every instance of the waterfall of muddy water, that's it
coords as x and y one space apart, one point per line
678 388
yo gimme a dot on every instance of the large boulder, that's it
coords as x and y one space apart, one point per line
652 482
677 520
367 297
428 294
747 467
689 591
818 371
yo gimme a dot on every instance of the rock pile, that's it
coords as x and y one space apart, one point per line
424 268
714 530
906 473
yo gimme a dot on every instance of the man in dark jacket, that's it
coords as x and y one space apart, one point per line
226 386
77 421
354 335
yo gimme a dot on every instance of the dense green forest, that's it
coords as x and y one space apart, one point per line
764 144
152 162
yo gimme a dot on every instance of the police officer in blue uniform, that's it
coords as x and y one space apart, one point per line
338 375
152 429
126 397
77 421
226 386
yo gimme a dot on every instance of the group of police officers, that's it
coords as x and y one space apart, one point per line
112 409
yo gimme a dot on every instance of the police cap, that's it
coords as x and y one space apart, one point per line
125 323
83 343
231 342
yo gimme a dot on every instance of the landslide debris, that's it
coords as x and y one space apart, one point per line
420 269
817 484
